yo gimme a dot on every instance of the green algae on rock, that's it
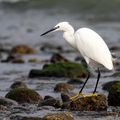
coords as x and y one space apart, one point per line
60 69
24 95
114 95
59 116
90 103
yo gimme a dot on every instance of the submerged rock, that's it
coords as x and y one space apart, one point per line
18 60
24 118
91 103
24 95
50 101
34 60
75 81
59 116
114 95
63 87
7 102
107 86
60 69
23 49
58 58
18 84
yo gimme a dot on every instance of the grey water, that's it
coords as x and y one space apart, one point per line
22 22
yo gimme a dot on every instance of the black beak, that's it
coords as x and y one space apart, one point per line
49 30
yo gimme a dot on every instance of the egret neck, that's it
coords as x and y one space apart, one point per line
68 35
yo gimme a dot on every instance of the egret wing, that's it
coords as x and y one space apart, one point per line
91 45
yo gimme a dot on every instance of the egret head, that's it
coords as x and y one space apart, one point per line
62 26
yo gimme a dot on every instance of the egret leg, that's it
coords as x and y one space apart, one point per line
80 92
84 83
98 77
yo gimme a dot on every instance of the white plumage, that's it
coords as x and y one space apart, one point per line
93 47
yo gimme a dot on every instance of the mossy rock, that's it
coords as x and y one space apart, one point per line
23 49
59 116
90 103
107 86
114 95
60 69
24 95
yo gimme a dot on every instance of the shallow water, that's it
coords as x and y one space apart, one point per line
25 27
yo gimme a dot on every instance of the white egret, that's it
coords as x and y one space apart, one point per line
91 46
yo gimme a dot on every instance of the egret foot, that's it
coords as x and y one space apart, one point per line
90 95
79 95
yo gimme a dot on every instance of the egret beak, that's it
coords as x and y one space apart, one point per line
49 31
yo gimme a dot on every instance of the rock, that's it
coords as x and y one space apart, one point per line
75 81
24 95
107 86
18 117
92 103
23 49
31 118
60 69
18 84
14 59
58 58
65 97
116 74
7 102
115 48
63 87
114 95
46 47
59 116
18 60
34 60
10 58
50 101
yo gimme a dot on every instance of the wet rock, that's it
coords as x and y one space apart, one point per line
59 116
75 81
18 60
9 58
58 58
50 101
107 86
114 95
12 58
18 84
24 95
47 97
24 118
23 49
31 118
92 103
115 48
60 69
7 102
63 87
34 60
46 47
65 97
116 74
